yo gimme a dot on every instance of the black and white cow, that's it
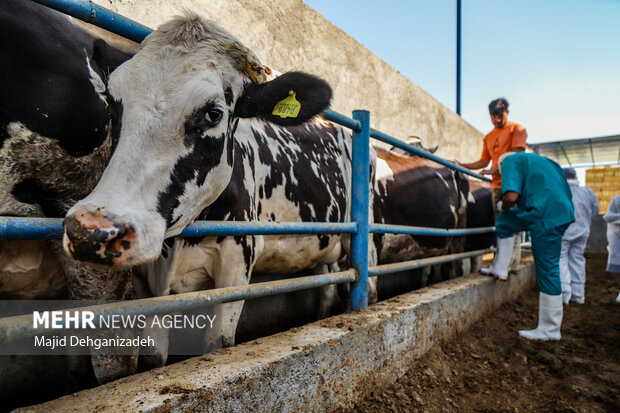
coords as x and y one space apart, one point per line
56 125
200 140
57 132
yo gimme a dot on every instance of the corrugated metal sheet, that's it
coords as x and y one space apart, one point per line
604 150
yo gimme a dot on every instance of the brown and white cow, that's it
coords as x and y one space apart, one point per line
479 208
414 191
200 140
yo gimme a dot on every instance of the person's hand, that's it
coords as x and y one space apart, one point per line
490 171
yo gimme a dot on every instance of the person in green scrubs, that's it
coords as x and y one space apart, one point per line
535 198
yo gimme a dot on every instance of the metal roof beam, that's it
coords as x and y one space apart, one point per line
601 139
566 156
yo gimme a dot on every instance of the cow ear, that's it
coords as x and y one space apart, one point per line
107 57
290 99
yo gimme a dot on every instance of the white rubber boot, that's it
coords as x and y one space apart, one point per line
565 277
502 259
550 311
577 293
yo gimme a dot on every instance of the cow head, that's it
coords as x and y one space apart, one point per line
182 96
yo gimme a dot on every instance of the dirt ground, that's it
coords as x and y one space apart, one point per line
490 368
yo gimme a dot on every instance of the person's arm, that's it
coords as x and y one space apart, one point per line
519 136
495 169
613 211
490 171
512 181
485 157
509 200
475 165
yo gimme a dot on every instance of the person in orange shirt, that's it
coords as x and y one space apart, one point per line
505 137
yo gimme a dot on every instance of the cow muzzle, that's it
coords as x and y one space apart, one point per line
99 240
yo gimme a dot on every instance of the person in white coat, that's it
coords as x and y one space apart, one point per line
572 261
612 217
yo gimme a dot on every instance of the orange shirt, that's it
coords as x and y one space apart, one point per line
499 141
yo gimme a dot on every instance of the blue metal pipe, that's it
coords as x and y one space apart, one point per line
99 16
202 228
12 228
424 262
420 152
401 229
352 124
18 327
30 228
359 209
458 57
51 228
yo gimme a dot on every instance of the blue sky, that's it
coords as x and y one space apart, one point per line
556 61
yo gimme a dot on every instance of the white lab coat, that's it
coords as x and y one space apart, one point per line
586 208
572 261
612 217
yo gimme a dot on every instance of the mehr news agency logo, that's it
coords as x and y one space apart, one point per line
87 320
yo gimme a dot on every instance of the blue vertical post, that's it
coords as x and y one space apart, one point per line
458 57
359 209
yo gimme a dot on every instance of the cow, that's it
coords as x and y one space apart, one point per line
58 128
479 211
415 191
479 214
204 136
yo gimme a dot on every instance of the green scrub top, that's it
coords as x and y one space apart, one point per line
545 199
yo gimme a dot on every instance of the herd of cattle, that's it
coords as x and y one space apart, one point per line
131 144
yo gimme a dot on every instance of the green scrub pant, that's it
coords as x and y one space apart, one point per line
546 248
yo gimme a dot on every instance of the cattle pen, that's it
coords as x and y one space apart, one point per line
462 297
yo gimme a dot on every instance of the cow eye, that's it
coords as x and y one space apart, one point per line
213 117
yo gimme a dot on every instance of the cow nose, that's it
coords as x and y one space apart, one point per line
97 239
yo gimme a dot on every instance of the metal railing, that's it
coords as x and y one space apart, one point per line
12 328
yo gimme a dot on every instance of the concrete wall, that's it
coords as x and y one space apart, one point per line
289 35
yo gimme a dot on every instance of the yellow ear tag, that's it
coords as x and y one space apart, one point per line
288 107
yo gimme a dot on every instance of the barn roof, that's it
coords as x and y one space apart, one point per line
600 151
